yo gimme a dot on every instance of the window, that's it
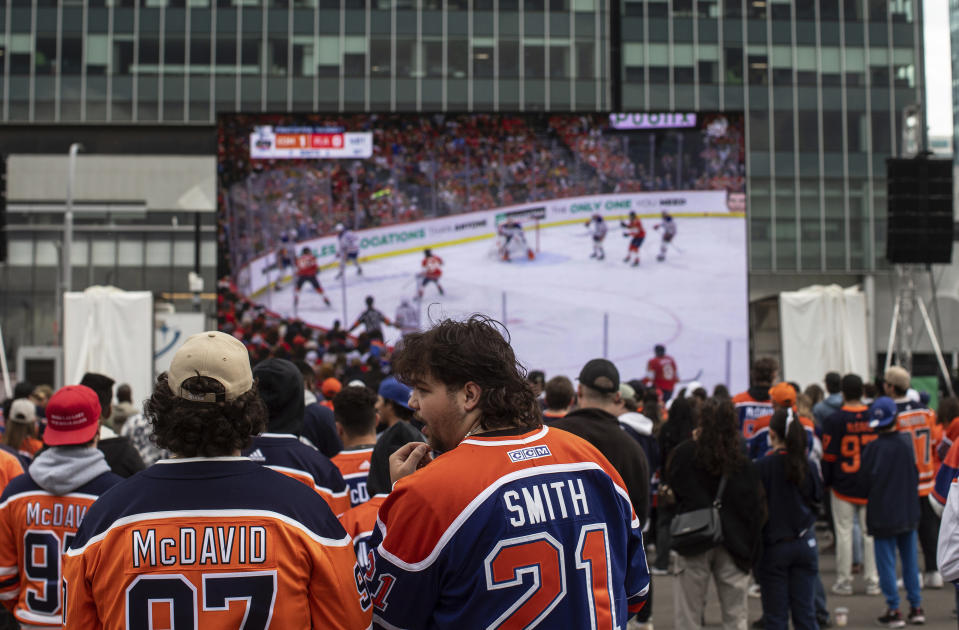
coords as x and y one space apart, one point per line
734 66
483 62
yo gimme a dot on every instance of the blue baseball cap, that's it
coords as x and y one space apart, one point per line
882 413
392 389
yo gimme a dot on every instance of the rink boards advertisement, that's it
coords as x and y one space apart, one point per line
447 182
448 231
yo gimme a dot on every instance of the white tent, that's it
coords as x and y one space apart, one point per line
823 329
109 331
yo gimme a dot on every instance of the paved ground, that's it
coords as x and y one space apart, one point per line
863 610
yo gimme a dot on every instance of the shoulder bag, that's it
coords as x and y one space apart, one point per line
699 527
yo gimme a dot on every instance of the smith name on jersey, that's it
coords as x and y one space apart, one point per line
542 533
213 543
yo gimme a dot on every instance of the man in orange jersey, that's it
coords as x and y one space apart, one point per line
754 403
41 510
845 434
919 423
209 539
280 384
508 509
355 413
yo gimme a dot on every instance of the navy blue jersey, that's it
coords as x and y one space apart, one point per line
286 454
509 532
845 434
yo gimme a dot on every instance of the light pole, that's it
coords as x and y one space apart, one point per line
75 148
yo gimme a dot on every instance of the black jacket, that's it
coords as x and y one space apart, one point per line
889 473
121 456
743 509
602 430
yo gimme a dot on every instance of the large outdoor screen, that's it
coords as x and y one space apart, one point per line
513 205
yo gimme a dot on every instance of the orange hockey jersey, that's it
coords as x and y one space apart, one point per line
213 543
36 527
354 465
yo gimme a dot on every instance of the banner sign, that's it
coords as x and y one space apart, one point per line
309 143
656 120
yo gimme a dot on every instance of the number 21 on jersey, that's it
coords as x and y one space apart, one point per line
542 558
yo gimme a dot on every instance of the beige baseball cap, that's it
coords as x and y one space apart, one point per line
215 355
23 410
897 377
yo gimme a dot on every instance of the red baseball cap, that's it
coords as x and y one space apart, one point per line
73 416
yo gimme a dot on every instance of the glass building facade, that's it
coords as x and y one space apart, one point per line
822 82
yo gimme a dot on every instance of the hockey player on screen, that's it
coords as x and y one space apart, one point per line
669 231
348 248
597 229
512 230
306 271
661 372
432 270
636 233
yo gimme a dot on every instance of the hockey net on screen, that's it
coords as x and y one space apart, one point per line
515 248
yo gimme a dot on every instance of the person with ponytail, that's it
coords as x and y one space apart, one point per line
789 565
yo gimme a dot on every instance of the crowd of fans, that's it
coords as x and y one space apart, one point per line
763 458
448 164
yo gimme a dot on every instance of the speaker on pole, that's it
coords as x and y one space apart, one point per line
920 215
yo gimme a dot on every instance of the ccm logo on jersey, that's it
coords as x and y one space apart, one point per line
533 452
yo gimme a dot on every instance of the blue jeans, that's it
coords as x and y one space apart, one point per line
886 566
787 575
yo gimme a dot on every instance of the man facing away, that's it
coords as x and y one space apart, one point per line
513 524
209 539
845 434
41 510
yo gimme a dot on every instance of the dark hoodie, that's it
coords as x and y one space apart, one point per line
281 387
602 430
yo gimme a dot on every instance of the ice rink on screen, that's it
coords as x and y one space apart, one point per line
694 302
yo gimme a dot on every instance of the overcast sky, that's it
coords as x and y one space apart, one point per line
938 68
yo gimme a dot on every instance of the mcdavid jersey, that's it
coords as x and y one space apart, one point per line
286 454
36 528
359 522
509 531
920 423
306 266
212 543
748 410
758 445
354 465
433 267
948 473
845 435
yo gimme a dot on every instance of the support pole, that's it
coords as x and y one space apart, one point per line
935 346
729 363
605 335
8 390
892 335
504 309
